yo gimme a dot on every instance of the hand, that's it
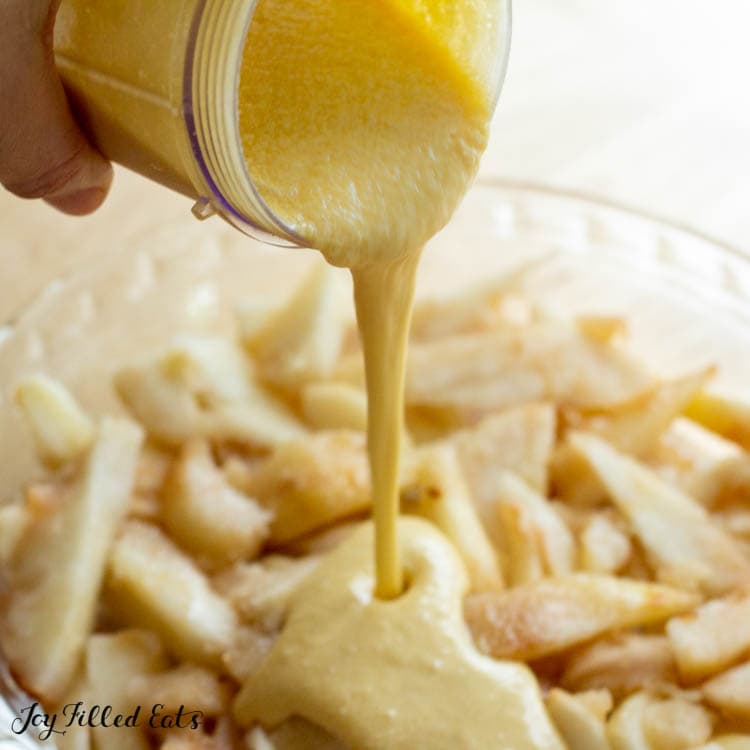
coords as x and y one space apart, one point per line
43 153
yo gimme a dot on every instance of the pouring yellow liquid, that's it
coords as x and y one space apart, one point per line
363 123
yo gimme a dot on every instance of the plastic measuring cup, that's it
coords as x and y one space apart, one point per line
155 85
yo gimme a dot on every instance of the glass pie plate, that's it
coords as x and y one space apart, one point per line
687 297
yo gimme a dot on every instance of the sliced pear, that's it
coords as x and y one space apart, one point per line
518 439
572 479
521 546
599 702
112 663
204 387
192 739
604 548
321 542
469 376
262 591
625 729
439 493
293 734
195 687
60 565
15 522
61 429
153 584
482 307
555 540
152 471
722 413
208 517
685 545
313 482
714 637
153 468
705 465
554 614
76 737
730 692
580 727
676 722
636 426
623 664
252 314
334 406
302 340
247 652
646 722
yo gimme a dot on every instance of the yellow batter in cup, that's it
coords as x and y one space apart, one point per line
157 85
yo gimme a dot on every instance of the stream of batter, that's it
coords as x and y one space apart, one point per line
363 125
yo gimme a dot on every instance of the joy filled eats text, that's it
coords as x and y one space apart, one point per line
33 719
